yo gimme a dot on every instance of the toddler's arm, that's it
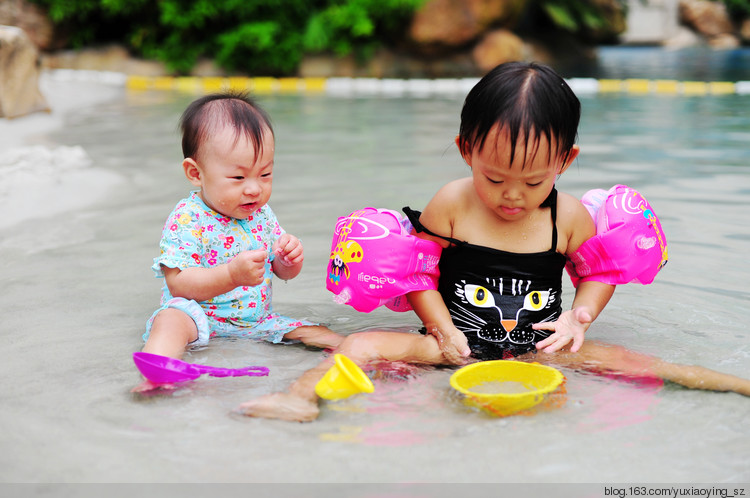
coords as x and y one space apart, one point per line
429 305
202 284
289 256
430 308
591 298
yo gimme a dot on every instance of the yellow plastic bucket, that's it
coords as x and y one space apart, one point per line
343 379
503 387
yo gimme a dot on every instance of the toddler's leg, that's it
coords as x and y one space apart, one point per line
317 336
300 403
600 357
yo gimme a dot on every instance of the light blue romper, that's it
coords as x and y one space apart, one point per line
197 236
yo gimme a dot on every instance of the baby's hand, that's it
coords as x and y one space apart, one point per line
288 250
571 325
248 268
453 345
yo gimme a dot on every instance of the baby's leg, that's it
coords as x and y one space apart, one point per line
171 332
601 357
316 335
300 403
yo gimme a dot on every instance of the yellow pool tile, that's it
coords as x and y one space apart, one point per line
722 87
314 84
694 87
638 86
239 83
667 86
139 82
610 86
188 84
213 84
263 85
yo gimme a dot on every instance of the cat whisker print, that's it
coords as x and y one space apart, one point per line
467 321
501 310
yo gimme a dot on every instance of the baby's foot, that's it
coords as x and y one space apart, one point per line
282 406
148 387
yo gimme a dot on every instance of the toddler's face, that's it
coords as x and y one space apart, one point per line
512 190
234 181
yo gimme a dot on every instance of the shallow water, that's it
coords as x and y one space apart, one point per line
77 290
501 387
691 64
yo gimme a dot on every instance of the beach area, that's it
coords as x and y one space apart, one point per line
86 188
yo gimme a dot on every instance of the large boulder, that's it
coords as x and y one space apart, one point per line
441 25
497 47
33 20
711 20
745 31
114 58
19 74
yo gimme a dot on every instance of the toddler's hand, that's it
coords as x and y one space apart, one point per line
453 345
571 325
248 268
288 250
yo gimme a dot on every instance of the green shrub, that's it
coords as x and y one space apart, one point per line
739 9
247 36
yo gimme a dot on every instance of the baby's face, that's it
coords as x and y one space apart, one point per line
234 180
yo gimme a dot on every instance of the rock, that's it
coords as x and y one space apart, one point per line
441 24
745 31
19 74
708 18
724 41
388 64
497 47
683 38
324 65
206 67
32 19
109 58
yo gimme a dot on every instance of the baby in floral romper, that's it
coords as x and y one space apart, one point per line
222 245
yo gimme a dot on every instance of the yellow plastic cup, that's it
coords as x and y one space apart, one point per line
343 379
530 382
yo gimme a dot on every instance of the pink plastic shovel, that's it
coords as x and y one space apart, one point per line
165 370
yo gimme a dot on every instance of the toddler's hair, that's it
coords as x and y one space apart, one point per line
525 99
208 114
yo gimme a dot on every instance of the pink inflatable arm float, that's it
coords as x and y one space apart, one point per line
629 245
376 261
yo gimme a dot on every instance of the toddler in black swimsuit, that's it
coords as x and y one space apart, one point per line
505 233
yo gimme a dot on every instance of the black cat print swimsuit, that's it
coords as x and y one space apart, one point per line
495 296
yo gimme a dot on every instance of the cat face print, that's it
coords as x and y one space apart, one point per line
502 310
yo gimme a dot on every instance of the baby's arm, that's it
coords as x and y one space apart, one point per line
289 257
591 297
202 284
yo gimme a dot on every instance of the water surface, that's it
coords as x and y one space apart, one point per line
77 289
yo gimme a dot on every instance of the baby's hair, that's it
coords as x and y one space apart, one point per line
525 99
207 115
